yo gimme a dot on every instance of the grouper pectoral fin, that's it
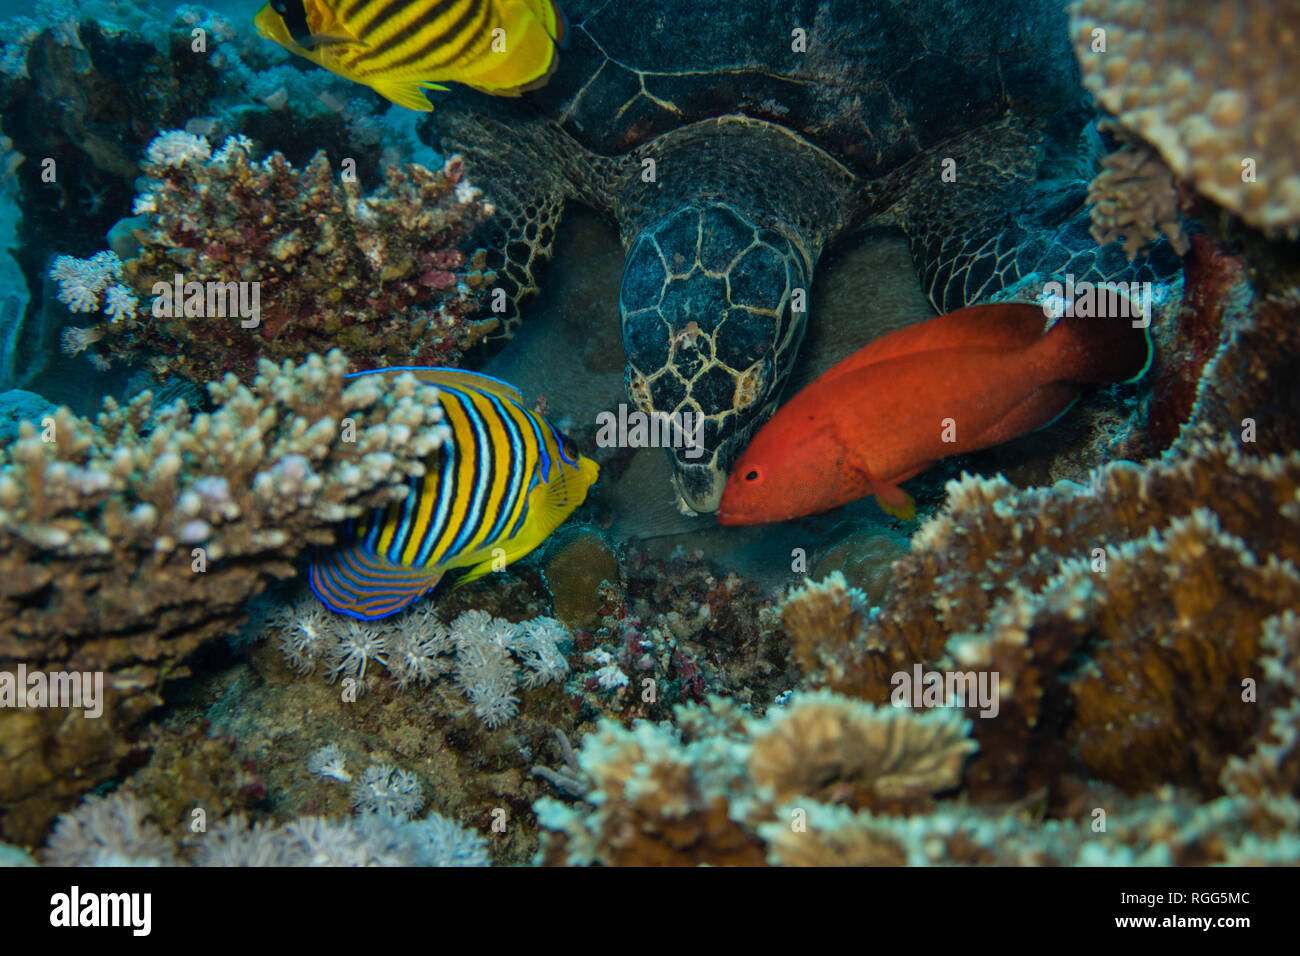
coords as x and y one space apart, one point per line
894 501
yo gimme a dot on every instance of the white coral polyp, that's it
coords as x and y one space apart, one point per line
175 147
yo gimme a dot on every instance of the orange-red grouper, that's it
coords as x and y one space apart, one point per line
950 385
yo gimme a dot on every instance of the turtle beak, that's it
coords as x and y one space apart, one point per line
699 487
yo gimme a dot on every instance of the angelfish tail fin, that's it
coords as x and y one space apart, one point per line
352 581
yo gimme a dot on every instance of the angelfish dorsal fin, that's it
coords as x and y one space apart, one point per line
453 378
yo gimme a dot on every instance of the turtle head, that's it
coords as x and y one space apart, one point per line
713 310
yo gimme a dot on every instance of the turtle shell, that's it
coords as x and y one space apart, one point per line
877 82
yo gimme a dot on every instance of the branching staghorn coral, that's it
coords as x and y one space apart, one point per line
127 543
379 275
1212 87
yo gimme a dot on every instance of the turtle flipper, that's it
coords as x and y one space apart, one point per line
526 168
518 243
998 222
955 211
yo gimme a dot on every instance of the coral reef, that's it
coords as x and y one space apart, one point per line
834 782
703 790
1210 87
299 262
85 85
1123 615
603 701
675 631
999 583
300 747
127 543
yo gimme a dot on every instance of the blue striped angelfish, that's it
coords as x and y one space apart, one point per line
398 47
505 480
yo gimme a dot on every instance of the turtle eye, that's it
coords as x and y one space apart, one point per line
752 475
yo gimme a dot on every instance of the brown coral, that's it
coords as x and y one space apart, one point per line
834 749
378 275
1162 578
126 544
703 793
700 793
1166 598
1134 199
655 802
1212 86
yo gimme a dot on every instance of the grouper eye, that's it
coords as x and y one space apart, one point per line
751 475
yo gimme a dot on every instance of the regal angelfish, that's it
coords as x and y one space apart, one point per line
496 490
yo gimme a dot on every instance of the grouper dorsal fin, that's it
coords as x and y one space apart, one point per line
1004 325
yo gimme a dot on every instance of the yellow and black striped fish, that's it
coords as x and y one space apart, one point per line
503 47
505 480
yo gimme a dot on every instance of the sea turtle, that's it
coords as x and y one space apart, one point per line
732 143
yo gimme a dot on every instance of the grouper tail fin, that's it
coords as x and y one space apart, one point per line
1099 350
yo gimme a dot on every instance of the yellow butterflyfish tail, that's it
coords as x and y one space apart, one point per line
501 47
528 54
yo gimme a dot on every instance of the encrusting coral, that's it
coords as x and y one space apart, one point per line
1211 86
127 543
241 260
